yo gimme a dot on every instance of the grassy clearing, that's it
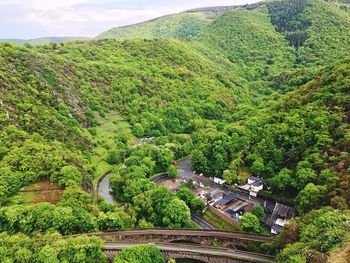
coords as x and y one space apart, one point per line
43 191
104 137
341 255
218 222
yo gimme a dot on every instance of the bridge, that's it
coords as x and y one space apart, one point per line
204 254
193 236
205 245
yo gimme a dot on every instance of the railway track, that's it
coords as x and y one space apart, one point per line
186 233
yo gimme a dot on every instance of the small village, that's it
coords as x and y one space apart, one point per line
230 204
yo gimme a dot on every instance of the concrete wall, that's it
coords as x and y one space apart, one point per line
228 219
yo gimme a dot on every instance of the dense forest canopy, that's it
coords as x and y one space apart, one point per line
261 90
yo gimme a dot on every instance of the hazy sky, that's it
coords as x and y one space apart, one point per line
42 18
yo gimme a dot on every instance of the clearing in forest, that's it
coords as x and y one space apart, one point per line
104 137
42 191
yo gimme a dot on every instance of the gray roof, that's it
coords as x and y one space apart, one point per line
253 178
281 211
258 183
226 199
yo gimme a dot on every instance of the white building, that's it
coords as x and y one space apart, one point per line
280 217
219 181
254 185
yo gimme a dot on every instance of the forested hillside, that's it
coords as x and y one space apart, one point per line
258 54
257 90
185 25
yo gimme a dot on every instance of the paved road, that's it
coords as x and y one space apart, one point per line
202 223
185 167
200 250
105 191
186 232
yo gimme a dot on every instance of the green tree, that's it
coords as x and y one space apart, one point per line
140 254
144 224
310 198
135 187
199 162
293 253
172 171
176 214
163 158
68 175
249 223
282 181
195 204
113 157
258 166
259 212
304 176
118 220
138 130
73 196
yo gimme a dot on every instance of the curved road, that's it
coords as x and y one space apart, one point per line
104 190
251 257
186 232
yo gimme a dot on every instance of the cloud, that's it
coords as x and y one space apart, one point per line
38 18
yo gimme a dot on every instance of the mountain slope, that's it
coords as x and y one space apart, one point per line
187 24
135 76
44 40
184 25
284 42
318 29
248 39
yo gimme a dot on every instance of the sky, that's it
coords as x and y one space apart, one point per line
26 19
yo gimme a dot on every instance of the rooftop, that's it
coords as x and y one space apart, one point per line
281 211
258 183
255 179
226 199
215 193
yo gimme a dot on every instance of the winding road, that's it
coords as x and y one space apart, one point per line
105 191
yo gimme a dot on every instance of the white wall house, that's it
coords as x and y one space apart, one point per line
254 185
